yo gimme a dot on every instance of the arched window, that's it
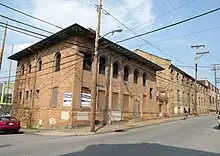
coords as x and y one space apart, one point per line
87 62
29 68
115 70
136 75
126 73
102 65
39 65
144 79
22 70
57 62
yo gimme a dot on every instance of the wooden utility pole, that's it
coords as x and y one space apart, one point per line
198 55
9 81
216 95
94 71
3 44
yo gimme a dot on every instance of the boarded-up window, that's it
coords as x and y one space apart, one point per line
125 102
101 102
144 101
54 97
115 105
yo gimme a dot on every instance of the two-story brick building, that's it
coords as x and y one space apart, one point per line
54 77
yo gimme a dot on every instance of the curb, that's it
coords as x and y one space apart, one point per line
126 128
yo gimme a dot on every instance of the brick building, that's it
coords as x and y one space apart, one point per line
53 81
176 89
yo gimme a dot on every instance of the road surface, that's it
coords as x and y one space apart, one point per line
194 137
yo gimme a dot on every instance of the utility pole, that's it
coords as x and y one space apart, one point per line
216 96
3 44
9 80
198 55
94 69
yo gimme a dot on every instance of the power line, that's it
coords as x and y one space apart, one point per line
9 25
163 14
14 20
197 32
147 42
22 32
36 18
171 25
88 4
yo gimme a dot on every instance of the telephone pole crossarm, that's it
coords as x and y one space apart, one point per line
198 56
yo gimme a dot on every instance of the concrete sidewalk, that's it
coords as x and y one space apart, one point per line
106 129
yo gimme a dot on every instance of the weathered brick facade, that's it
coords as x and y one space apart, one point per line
35 103
176 89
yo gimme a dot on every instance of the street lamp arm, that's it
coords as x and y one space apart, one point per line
111 32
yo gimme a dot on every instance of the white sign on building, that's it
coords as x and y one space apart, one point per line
67 99
85 100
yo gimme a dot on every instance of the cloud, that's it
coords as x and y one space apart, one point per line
67 12
19 47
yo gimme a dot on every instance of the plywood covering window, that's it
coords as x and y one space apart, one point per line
125 101
54 99
101 101
115 105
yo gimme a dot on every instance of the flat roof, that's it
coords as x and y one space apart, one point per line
76 30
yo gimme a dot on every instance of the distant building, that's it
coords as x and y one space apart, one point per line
176 89
6 96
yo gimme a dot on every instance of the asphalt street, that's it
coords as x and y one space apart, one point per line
193 137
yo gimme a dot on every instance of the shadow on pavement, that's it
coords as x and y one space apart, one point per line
138 149
9 133
216 127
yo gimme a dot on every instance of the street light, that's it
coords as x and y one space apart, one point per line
111 32
94 68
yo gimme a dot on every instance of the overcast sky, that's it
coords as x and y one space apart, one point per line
132 13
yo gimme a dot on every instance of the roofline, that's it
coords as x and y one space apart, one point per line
152 54
183 72
75 30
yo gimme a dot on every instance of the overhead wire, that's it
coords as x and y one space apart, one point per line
23 13
170 25
163 14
